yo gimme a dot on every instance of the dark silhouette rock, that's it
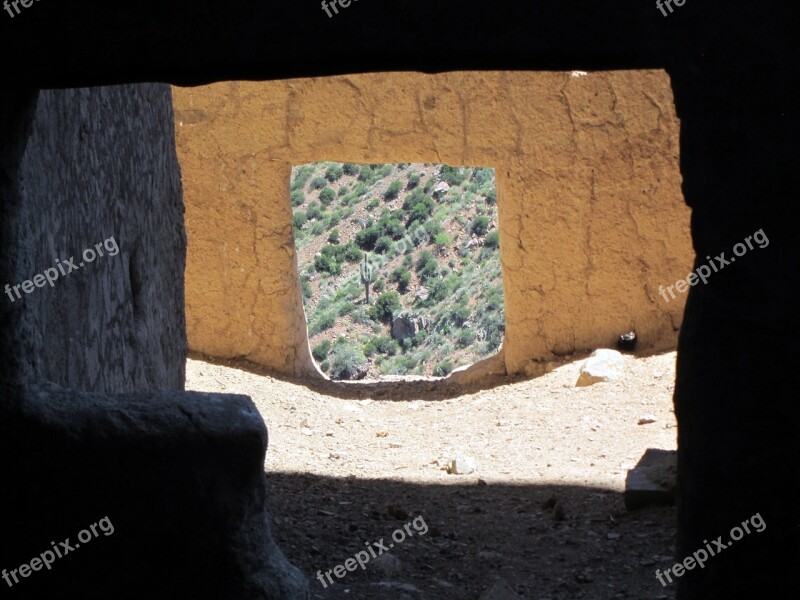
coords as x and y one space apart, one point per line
407 325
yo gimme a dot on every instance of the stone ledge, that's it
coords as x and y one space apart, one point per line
179 474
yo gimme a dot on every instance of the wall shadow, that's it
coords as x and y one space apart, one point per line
476 534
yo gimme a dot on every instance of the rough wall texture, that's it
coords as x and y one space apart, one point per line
592 217
179 475
100 163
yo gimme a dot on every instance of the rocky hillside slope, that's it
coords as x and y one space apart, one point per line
400 266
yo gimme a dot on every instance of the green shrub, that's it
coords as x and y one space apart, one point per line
345 356
317 228
453 175
424 258
342 190
333 219
442 241
443 369
306 287
327 196
465 337
479 225
413 181
323 321
383 244
365 174
460 314
385 345
492 298
379 285
299 219
492 240
324 366
429 271
391 225
302 175
418 215
418 197
350 169
327 264
318 183
314 211
352 253
345 308
334 173
367 237
432 227
320 351
373 204
393 190
402 277
442 289
333 238
298 197
386 170
385 307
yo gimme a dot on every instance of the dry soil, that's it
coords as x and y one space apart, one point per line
349 464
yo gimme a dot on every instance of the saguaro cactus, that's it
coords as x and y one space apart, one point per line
367 274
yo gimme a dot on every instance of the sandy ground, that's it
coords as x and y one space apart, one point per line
350 463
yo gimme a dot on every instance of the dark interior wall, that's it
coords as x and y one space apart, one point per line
735 68
179 475
99 168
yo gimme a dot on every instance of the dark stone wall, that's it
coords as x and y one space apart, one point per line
179 475
99 167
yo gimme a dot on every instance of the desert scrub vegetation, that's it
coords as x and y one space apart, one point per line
430 259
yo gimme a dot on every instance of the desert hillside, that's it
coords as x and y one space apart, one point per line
422 241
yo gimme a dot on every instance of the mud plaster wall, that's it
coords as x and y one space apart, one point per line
591 214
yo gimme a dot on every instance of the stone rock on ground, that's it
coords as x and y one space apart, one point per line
352 373
602 366
461 465
500 591
386 564
407 325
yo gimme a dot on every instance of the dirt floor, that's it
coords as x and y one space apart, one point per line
350 465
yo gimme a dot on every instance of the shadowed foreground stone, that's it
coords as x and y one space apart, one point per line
178 474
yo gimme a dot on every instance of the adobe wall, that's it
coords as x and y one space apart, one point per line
592 218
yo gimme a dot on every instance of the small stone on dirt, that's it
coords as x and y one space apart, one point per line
461 465
387 564
602 366
500 591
